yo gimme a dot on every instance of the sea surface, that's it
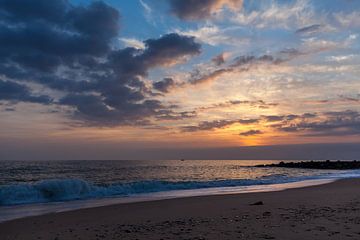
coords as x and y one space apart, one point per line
45 186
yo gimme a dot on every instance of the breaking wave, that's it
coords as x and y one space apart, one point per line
74 189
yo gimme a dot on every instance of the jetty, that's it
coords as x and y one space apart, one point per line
336 165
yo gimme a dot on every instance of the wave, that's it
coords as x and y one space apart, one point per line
74 189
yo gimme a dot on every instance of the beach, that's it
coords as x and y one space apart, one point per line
329 211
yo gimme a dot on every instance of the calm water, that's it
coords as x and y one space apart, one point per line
53 181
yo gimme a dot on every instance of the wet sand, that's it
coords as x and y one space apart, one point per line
330 211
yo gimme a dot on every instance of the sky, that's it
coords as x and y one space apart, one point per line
150 79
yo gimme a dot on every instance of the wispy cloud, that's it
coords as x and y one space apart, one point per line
233 103
348 20
215 35
239 64
132 42
272 14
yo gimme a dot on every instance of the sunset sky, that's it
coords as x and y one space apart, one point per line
111 79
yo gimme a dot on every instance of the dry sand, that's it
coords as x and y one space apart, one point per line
330 211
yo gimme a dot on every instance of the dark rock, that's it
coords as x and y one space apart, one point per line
266 214
257 203
336 165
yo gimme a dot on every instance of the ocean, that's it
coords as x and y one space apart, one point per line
36 187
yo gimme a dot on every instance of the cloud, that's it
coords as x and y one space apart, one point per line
239 64
165 85
228 104
12 91
68 48
208 125
273 14
275 121
251 133
216 124
248 121
335 123
287 118
123 95
169 49
341 58
348 20
341 99
132 42
211 76
146 7
111 111
171 115
195 9
309 29
219 59
71 33
339 123
273 118
249 62
215 35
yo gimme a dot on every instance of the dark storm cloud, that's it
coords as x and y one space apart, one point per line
123 96
20 10
69 48
40 35
167 50
12 91
95 110
250 133
165 85
309 29
200 9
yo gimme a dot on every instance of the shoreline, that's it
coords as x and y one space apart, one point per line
13 212
329 211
